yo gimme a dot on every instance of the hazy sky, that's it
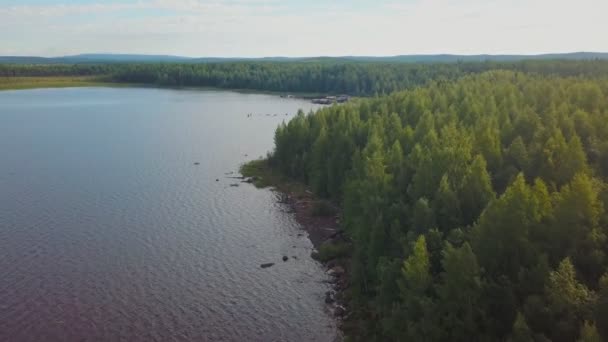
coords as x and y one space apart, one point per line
252 28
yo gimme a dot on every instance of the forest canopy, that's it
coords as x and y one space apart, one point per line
327 77
476 208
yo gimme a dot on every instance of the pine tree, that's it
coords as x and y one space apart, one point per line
414 284
459 294
447 206
501 236
589 333
476 191
521 331
569 301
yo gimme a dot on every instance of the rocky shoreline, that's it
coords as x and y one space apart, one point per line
323 230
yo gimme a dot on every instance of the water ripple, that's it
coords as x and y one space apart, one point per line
109 232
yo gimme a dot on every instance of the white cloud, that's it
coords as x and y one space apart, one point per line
272 27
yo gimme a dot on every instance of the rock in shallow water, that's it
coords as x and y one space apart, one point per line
329 297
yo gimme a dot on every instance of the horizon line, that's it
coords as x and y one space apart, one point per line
310 56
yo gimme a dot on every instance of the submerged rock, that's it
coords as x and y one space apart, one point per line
329 297
197 163
339 311
266 265
234 185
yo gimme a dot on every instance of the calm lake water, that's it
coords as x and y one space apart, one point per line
109 232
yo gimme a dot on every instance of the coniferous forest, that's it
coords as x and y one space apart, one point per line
477 209
475 195
315 76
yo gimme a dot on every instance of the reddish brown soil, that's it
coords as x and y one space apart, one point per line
319 228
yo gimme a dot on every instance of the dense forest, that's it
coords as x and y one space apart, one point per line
327 77
477 209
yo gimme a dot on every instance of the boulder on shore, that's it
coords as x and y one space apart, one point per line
332 263
336 271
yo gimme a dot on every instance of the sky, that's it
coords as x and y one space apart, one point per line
257 28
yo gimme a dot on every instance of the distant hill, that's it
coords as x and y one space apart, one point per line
94 58
440 58
447 58
122 58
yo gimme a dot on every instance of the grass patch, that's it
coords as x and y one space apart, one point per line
15 83
330 251
264 175
260 171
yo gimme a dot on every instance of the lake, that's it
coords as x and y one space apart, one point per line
110 232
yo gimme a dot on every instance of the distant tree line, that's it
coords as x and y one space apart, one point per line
42 70
477 208
353 78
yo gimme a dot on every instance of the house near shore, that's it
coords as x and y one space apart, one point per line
342 98
323 101
327 100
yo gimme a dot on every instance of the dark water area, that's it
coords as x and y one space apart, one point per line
109 232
